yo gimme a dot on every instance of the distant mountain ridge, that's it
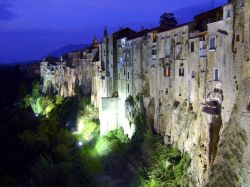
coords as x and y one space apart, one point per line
56 53
67 49
23 63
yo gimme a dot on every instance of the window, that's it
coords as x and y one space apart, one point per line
216 74
237 37
241 3
153 51
154 54
166 91
193 74
179 91
181 72
123 42
228 13
248 106
167 71
155 38
124 72
128 88
212 42
192 47
168 50
178 50
128 75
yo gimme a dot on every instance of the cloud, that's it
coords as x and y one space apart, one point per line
6 13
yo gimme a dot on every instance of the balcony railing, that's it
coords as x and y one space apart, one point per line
212 108
194 34
202 53
203 49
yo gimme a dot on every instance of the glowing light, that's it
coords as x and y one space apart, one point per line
80 143
36 115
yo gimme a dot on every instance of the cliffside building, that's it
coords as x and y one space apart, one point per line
194 79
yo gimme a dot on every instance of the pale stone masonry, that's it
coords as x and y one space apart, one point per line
73 73
194 79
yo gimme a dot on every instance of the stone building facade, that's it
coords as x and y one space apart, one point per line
194 79
73 73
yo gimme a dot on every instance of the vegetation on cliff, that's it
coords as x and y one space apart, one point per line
49 154
40 104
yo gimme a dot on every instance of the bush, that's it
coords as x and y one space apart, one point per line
166 165
40 104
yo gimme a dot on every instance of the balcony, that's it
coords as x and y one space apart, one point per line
203 49
202 53
194 34
212 108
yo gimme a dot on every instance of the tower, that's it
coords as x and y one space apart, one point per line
105 32
95 43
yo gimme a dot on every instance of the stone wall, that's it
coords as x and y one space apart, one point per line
108 115
72 74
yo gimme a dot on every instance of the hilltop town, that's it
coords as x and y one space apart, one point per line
194 79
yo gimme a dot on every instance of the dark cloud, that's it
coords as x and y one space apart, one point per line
5 10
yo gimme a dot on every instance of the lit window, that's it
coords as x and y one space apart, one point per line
167 71
212 42
155 37
216 74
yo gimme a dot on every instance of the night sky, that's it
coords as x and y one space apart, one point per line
30 29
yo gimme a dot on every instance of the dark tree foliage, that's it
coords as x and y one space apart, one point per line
43 152
168 20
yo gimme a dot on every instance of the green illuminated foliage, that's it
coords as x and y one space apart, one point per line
41 105
110 160
88 122
103 146
167 165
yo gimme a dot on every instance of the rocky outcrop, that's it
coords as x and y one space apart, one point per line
232 163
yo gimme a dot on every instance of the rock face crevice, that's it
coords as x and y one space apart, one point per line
151 114
214 137
227 166
232 161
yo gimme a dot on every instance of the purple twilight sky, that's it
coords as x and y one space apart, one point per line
30 29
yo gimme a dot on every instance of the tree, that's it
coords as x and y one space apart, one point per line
168 20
